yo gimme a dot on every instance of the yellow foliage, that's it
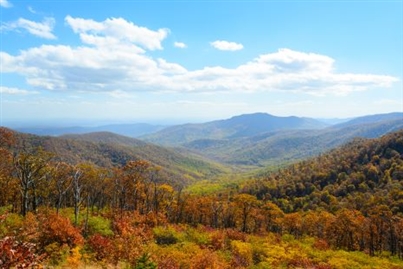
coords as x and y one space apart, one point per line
243 251
73 261
284 253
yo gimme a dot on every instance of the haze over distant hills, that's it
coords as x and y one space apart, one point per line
286 139
238 126
372 119
130 130
251 140
174 134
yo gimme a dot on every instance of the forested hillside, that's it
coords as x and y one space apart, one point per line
108 150
277 148
342 209
362 175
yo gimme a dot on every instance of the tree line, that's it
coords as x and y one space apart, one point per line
351 199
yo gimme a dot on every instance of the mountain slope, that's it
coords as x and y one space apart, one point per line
107 150
361 175
235 127
372 119
288 145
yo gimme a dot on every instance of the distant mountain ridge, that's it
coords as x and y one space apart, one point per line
371 119
236 127
285 146
244 141
282 146
130 130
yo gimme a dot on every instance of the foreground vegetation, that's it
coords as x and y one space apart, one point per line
340 210
133 240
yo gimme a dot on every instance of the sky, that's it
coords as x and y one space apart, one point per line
193 61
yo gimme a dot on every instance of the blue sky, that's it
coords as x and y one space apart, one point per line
199 60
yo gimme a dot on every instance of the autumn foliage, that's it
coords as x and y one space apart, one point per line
339 210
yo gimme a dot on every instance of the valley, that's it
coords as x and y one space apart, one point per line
201 134
251 191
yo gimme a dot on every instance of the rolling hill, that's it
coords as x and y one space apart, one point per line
236 127
108 149
245 141
283 146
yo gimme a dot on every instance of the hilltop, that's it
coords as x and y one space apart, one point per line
246 125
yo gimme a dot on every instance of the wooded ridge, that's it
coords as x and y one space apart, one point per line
342 209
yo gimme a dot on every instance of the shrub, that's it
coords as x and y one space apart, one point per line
144 262
165 235
58 229
14 253
99 225
100 245
243 254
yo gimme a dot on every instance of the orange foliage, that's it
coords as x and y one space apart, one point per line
101 246
207 260
14 253
132 234
56 228
321 244
235 235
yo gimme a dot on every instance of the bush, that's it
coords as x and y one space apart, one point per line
101 246
99 225
165 235
58 229
56 254
243 254
10 224
14 253
144 263
197 236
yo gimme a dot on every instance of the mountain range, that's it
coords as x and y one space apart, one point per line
130 130
207 149
262 139
236 127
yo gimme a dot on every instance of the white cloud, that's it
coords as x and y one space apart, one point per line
115 61
180 45
41 29
15 91
5 3
225 45
170 68
118 29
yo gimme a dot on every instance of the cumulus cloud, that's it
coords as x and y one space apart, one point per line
114 60
180 45
117 29
5 3
40 29
225 45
